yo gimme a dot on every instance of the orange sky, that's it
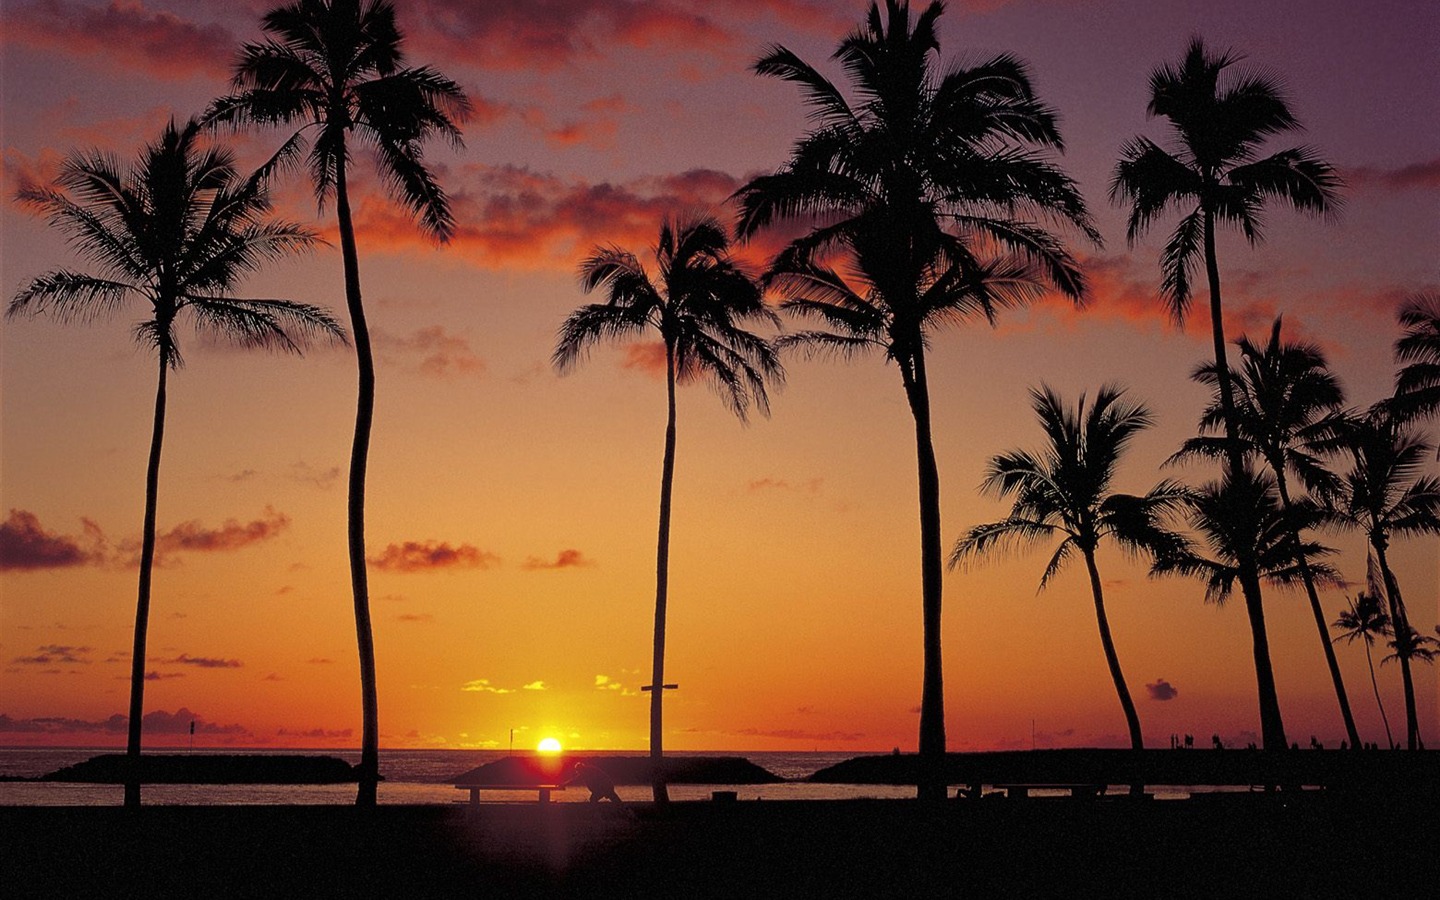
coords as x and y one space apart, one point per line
512 512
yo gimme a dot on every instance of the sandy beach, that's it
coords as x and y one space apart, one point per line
1311 844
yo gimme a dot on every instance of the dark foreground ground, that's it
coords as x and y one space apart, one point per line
1239 845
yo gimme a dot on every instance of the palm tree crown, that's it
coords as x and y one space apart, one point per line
697 307
1215 173
336 66
1234 516
177 228
1418 386
1284 396
1065 491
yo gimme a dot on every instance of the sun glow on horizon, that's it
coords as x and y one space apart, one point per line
548 745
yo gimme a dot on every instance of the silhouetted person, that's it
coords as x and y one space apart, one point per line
600 785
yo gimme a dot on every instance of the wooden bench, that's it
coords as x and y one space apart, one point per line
475 790
1021 791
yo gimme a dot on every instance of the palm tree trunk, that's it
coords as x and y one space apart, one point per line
1272 727
369 773
1375 686
931 781
662 587
1305 575
1399 624
142 604
1132 719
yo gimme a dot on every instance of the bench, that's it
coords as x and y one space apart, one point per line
1021 791
475 790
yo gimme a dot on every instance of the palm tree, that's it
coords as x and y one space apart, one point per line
1283 394
1418 386
177 228
1363 620
336 66
697 303
1214 175
918 184
1244 516
1386 495
1064 491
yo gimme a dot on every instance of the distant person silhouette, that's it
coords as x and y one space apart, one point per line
593 777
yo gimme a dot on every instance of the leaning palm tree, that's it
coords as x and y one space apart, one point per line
1364 620
697 303
1385 494
930 184
1284 393
1064 491
337 67
1216 176
1244 516
1418 386
177 228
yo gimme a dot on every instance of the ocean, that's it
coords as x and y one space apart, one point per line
411 776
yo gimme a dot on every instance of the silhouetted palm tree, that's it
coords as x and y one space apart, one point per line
336 66
1418 387
918 184
1064 491
1283 392
1386 495
1214 176
697 304
1364 620
177 228
1235 516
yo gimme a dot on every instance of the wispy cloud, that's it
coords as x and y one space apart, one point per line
202 662
56 654
431 352
427 556
535 686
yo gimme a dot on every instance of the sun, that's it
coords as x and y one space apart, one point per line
548 745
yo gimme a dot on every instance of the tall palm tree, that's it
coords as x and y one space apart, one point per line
1364 620
1283 394
1216 176
1244 516
1064 491
920 184
1418 386
177 228
337 67
697 303
1386 494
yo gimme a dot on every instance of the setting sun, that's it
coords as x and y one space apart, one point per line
549 745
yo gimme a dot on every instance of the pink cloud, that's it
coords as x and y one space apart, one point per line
26 546
424 556
432 352
514 216
124 34
1422 176
565 559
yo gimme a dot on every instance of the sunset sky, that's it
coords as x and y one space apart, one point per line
512 512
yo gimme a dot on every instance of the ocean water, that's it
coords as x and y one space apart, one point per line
411 776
